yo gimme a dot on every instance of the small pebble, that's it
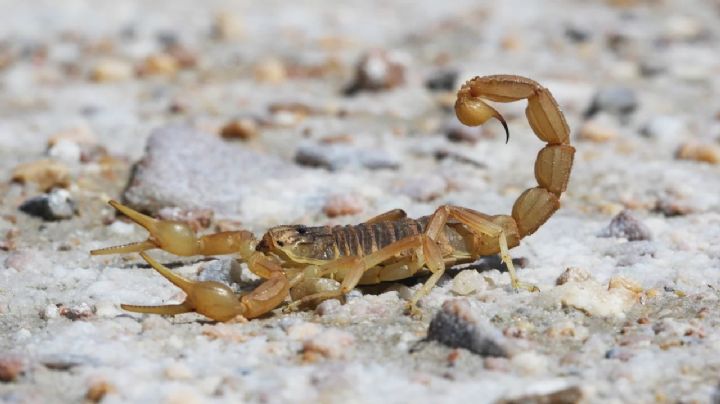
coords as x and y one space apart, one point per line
331 343
46 174
111 70
216 270
327 307
569 395
240 129
80 311
702 152
578 34
122 228
160 64
56 205
512 42
619 282
467 282
573 274
81 135
530 363
343 205
98 389
442 80
178 371
377 70
622 354
598 129
626 225
11 366
229 26
457 326
594 299
64 361
51 311
271 71
338 156
618 101
66 151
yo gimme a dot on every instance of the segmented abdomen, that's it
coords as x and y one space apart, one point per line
366 238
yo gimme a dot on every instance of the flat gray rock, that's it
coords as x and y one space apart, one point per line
189 169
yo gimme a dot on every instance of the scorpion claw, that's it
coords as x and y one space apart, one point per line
211 299
125 248
174 237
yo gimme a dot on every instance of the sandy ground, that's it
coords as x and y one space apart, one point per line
627 310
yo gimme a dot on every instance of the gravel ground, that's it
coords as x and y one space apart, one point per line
249 115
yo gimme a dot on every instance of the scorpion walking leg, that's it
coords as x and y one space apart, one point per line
389 216
354 267
489 230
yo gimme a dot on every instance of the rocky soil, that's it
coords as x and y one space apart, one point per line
246 115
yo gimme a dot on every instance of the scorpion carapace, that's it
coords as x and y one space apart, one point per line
387 247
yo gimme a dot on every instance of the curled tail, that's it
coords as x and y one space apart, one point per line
554 162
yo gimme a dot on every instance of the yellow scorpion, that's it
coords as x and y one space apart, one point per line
387 247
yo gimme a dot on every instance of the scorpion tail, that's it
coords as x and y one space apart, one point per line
554 161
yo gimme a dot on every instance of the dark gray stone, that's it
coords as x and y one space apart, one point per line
55 205
457 326
626 225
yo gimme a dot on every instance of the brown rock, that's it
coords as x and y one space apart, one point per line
703 152
342 205
98 389
160 64
111 70
377 70
240 129
46 174
11 366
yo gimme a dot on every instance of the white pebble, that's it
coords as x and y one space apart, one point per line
66 151
122 228
530 363
467 282
51 311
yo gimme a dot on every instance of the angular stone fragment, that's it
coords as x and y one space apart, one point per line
457 326
626 225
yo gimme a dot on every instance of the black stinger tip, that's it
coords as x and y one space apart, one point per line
507 132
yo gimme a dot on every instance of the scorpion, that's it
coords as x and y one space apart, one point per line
387 247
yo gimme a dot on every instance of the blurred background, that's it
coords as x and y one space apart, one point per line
248 114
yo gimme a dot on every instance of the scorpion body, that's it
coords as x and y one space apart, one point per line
387 247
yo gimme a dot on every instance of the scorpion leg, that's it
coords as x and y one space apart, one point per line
487 229
389 216
353 268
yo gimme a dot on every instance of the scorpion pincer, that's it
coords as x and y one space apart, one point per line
387 247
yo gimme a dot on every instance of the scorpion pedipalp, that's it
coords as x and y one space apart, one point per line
211 299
